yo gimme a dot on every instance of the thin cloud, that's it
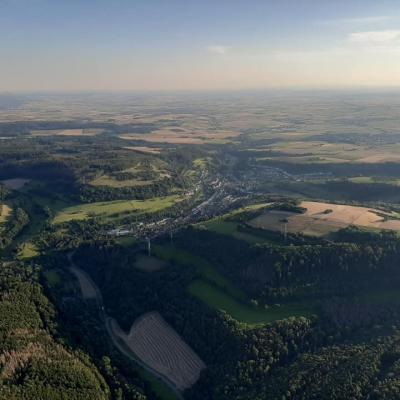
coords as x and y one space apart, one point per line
357 20
218 49
374 37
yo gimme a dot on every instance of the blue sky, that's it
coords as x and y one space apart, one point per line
185 44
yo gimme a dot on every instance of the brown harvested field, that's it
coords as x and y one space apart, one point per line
87 289
157 345
182 136
15 183
149 264
144 149
323 218
380 158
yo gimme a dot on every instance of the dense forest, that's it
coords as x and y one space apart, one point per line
346 337
33 364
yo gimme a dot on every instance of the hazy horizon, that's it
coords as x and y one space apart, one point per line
189 46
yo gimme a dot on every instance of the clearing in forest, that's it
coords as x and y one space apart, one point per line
158 346
5 213
322 218
243 312
144 149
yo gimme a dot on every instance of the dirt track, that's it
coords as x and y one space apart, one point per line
87 289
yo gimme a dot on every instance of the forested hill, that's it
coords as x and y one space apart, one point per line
35 363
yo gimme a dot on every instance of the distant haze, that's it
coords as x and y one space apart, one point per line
192 45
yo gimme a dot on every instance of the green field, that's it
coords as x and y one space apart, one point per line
203 267
115 183
245 313
230 228
113 210
28 251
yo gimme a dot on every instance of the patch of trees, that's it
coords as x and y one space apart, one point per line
90 194
17 221
362 371
37 169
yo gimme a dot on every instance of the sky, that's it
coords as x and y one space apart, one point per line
74 45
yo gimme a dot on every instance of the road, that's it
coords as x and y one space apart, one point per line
88 287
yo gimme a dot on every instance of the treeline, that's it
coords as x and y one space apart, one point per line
45 169
302 270
90 194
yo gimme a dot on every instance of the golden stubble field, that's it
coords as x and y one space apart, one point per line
322 218
66 132
144 149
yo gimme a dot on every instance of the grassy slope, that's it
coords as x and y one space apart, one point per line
245 313
114 183
108 208
217 292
